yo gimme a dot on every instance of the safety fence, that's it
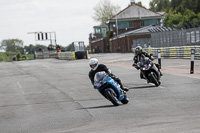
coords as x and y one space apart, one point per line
176 38
183 52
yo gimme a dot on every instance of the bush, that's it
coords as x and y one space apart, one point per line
18 56
30 56
24 57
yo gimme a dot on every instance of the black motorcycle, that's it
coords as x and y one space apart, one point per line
149 71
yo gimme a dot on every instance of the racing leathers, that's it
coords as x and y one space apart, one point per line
102 67
137 58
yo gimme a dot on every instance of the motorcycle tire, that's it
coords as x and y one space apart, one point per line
155 81
125 101
112 96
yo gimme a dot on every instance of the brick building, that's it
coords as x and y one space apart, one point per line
129 28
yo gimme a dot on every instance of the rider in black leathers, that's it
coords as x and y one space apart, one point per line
95 67
137 57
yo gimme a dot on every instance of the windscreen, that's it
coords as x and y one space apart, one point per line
100 78
144 61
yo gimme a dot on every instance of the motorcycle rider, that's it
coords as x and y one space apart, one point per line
95 67
138 55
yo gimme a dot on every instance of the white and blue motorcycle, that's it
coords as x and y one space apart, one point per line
109 88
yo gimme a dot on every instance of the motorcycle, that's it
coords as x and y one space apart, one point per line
149 71
109 88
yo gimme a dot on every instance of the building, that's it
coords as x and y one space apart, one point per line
124 29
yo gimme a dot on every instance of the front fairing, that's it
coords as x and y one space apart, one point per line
145 64
103 82
100 79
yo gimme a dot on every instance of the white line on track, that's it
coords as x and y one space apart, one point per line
18 84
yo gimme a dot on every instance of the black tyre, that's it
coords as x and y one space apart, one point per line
154 78
112 96
125 101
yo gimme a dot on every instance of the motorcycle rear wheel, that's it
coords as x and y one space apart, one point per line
125 101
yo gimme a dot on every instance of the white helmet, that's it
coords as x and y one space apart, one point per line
93 63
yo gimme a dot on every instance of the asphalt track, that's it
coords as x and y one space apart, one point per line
56 96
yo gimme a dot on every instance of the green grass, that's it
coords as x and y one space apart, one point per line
7 57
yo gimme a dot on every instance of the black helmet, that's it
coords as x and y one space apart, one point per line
138 50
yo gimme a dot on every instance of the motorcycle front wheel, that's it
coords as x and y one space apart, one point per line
154 77
112 96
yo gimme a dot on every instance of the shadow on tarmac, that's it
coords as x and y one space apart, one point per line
97 107
142 87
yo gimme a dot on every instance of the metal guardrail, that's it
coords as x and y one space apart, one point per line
183 52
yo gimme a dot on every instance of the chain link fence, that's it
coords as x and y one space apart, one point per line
174 38
170 38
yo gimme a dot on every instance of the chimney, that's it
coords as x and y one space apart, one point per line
132 2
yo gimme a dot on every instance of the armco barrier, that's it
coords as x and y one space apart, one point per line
174 52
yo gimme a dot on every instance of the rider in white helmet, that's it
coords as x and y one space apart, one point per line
93 63
95 67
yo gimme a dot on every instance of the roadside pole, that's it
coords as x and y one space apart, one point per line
159 58
192 61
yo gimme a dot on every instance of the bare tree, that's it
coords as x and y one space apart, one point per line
105 10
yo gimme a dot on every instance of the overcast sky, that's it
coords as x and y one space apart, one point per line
70 19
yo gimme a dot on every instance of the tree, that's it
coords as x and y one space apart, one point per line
182 13
140 4
12 45
152 5
159 5
69 47
104 11
39 46
173 19
181 5
30 49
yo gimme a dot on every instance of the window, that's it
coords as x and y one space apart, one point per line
124 24
149 22
130 24
142 23
97 30
104 30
